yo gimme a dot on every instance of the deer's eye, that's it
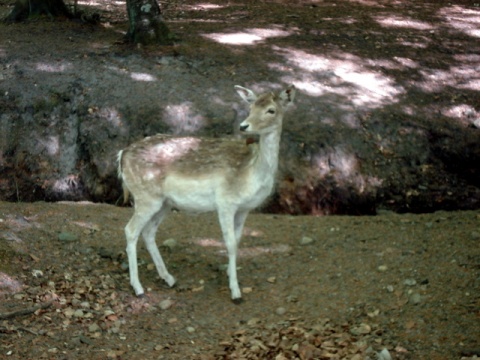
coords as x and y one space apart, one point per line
271 111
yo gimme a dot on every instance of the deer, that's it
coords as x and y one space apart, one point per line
197 174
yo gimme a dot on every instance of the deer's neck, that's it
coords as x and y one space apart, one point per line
267 159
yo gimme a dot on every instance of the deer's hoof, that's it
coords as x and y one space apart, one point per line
238 301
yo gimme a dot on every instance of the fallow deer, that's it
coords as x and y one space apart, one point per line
198 174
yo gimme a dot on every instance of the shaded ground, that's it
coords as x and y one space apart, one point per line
314 287
386 113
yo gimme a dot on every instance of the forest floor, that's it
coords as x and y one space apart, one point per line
400 286
334 287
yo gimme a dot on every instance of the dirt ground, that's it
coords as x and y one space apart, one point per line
386 286
314 287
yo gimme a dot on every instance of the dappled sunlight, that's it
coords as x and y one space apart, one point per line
462 19
395 21
462 76
110 115
203 6
137 76
243 251
9 285
53 68
50 144
247 37
339 161
142 77
465 114
66 185
343 166
182 118
340 73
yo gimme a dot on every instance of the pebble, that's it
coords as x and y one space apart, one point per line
94 328
390 288
415 299
67 236
410 282
78 313
382 268
190 329
361 329
170 243
306 240
281 311
166 304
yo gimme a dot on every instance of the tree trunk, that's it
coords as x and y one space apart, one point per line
23 9
146 24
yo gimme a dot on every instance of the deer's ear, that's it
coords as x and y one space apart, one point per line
287 96
246 94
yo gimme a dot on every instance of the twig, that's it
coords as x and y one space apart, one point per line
23 312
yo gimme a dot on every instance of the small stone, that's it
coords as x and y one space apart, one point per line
361 329
67 236
247 290
390 288
93 328
190 329
410 282
415 299
170 244
272 279
166 304
85 305
382 268
78 313
306 240
281 311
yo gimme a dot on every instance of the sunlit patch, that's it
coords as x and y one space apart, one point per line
406 62
462 19
142 77
53 68
111 115
466 114
203 6
207 242
340 73
8 285
183 119
461 77
247 37
402 22
66 184
51 144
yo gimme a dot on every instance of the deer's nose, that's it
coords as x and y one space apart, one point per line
244 127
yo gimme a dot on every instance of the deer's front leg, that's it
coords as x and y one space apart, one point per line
226 218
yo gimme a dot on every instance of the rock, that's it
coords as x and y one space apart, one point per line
410 282
190 329
382 268
415 299
94 328
361 329
170 244
306 240
78 313
281 311
384 355
67 236
166 304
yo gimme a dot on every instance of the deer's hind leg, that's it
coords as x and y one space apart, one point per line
144 213
148 233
